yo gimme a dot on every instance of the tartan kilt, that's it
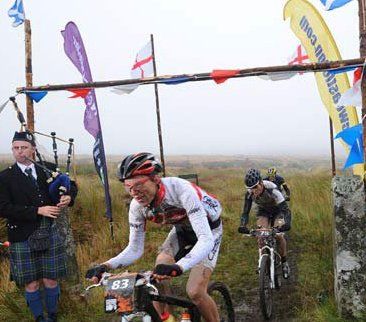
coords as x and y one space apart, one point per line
27 266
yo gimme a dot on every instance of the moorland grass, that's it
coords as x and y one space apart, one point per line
310 241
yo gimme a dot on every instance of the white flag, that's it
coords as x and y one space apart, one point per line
353 96
142 67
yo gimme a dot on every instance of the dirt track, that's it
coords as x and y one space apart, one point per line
247 305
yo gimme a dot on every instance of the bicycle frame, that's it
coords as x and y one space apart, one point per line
268 238
144 295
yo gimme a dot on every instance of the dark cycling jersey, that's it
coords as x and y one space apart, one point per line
270 203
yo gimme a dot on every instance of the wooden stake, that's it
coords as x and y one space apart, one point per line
158 109
29 73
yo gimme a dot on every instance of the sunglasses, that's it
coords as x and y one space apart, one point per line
135 184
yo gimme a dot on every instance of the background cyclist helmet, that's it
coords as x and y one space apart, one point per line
252 178
142 163
271 172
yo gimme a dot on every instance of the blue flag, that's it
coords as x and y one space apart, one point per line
353 137
36 96
334 4
17 12
356 154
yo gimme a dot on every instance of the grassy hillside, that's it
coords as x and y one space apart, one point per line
308 295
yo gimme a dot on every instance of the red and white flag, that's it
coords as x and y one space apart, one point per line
352 96
142 67
298 57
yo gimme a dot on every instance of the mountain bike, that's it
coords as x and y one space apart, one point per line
132 294
269 267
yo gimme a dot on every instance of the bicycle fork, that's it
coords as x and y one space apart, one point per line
270 252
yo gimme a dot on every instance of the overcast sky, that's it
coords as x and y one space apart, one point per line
242 116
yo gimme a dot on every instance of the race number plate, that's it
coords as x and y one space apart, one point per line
264 233
119 293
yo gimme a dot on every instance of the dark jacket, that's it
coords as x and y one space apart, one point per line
19 201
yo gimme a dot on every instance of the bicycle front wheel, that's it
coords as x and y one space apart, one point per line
265 290
221 295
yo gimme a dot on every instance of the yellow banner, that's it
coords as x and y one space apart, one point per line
315 36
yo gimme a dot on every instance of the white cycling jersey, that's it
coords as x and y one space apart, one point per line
178 202
271 196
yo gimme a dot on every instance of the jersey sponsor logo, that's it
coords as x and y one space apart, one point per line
194 210
137 226
210 203
215 248
166 214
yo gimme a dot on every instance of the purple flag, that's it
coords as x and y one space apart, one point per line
74 49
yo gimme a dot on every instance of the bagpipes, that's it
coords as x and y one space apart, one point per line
58 183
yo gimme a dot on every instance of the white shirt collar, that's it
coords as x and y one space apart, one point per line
23 167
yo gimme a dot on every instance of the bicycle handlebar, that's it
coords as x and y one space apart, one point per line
147 279
263 232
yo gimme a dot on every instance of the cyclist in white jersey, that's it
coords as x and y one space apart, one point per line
272 210
194 240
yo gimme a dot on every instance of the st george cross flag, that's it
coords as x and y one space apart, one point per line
353 97
299 56
142 67
17 12
334 4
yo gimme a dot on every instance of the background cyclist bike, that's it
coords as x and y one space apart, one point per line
192 244
271 175
272 211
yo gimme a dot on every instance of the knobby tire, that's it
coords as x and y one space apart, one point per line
265 290
221 295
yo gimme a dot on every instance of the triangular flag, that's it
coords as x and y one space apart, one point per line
278 76
350 134
36 96
79 92
334 4
356 154
221 75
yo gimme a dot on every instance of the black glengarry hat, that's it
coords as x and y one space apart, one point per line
24 136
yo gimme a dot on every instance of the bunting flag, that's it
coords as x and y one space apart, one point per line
353 96
299 57
17 13
314 35
36 96
278 76
143 66
221 75
334 4
75 50
79 92
353 137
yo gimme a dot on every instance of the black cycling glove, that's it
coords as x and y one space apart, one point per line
97 271
168 270
243 230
